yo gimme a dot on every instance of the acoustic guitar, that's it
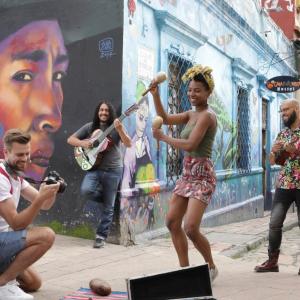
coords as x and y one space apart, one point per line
89 158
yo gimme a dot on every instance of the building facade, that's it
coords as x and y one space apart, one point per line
114 49
245 47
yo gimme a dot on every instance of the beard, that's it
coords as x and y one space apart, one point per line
290 121
18 167
13 168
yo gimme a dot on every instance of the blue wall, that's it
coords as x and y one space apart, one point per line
230 38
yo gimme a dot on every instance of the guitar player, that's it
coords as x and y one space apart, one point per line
101 183
286 149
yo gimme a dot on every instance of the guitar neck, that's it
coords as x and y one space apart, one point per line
109 129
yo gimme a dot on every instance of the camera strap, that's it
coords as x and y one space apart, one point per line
33 181
4 173
10 171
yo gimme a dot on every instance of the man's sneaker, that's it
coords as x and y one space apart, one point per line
99 242
11 291
213 273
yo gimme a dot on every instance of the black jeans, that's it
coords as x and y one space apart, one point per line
282 201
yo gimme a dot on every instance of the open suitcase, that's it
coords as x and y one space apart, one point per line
184 283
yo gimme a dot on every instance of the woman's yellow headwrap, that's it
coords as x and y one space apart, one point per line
204 71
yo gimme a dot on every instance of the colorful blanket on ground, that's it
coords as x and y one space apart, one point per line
87 294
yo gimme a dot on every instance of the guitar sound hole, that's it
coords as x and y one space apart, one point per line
96 143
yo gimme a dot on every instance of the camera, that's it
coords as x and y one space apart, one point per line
53 177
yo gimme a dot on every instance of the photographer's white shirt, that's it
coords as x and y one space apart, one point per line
5 188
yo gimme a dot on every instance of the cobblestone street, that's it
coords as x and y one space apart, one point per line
72 262
289 256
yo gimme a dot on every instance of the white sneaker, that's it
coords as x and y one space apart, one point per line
11 291
213 273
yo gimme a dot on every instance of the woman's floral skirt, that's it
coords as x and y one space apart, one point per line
198 179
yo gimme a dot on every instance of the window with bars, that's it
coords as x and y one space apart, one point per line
177 103
243 131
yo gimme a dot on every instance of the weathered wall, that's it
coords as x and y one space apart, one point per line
283 14
114 48
58 59
229 37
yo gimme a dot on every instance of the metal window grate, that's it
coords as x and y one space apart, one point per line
243 133
177 103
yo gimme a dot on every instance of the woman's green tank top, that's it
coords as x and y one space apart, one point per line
204 149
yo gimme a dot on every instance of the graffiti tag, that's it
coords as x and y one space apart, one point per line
106 48
275 5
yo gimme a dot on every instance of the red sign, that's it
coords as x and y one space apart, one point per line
283 13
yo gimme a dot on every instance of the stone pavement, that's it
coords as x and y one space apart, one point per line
233 240
72 263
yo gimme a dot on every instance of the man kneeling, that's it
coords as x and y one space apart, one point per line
21 247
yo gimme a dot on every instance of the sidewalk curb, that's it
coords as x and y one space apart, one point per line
240 250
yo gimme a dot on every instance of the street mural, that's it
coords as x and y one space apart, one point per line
225 148
164 2
34 62
283 13
131 5
276 5
54 57
138 166
233 189
140 187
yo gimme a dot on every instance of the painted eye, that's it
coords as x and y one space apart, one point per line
59 76
23 76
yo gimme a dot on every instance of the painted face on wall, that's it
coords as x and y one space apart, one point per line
33 62
141 119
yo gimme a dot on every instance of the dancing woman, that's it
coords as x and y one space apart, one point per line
193 191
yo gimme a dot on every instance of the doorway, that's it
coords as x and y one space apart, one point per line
266 176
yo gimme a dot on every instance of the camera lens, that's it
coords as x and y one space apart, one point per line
53 177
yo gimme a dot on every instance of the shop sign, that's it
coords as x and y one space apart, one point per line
283 84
